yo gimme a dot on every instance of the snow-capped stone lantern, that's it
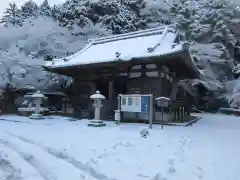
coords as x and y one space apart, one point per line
97 98
38 97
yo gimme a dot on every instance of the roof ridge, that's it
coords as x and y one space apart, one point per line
133 34
67 58
151 49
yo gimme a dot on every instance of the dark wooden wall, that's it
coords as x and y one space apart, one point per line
151 78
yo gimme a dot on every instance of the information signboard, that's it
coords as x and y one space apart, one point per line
131 103
138 103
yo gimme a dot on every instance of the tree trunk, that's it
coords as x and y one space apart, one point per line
8 105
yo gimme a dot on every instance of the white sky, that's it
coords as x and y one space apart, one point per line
4 3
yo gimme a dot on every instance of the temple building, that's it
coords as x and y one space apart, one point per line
142 62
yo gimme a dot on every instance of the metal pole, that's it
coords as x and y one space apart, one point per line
150 111
118 110
119 101
162 117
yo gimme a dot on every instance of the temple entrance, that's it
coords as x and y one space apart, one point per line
120 86
108 88
102 85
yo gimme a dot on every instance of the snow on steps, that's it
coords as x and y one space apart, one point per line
233 111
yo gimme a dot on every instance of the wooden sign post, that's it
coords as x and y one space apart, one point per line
163 102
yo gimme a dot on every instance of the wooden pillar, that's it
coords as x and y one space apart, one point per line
161 76
174 89
110 89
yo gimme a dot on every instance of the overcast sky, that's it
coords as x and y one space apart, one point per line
4 3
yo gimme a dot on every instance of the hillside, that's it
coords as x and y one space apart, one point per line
32 33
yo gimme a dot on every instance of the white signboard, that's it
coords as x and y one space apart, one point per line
131 103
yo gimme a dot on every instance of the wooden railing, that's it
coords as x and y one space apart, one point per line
179 110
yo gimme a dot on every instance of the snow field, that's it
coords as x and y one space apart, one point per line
57 149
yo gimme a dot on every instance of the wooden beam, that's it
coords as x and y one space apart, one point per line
110 89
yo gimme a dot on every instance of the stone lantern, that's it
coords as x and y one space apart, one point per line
97 98
38 97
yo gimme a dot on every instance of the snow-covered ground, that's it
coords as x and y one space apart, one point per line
58 149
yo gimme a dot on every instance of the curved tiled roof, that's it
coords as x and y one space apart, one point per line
153 42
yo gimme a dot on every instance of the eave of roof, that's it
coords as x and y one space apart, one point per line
181 57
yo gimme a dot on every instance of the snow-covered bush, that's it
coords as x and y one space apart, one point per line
144 133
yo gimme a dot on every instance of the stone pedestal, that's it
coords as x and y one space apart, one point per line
36 116
96 123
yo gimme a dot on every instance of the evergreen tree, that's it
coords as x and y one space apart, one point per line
45 9
29 9
12 15
56 12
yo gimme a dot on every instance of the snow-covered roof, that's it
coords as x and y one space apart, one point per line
145 43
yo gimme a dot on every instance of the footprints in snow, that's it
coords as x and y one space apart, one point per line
171 168
185 145
185 142
198 172
42 171
179 155
159 176
10 172
113 149
143 176
60 155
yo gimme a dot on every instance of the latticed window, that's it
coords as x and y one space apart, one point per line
130 101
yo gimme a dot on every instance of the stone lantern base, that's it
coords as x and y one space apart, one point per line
36 116
96 123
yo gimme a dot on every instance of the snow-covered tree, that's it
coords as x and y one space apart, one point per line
212 27
18 72
12 15
113 15
22 50
45 9
206 21
29 9
43 36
